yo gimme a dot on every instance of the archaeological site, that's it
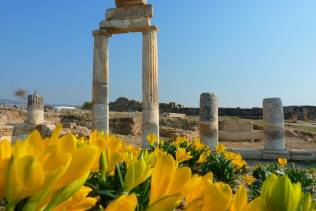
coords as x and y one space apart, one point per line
181 144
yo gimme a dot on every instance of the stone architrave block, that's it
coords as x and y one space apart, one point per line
303 155
129 12
117 26
275 154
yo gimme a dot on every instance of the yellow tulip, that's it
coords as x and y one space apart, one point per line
5 154
66 192
198 145
203 157
182 155
137 172
180 140
54 166
217 197
282 162
152 138
113 158
123 203
167 179
220 148
82 162
24 177
281 194
240 201
32 145
78 202
249 179
167 203
197 193
236 159
5 149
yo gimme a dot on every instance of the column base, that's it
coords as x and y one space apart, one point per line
100 117
150 124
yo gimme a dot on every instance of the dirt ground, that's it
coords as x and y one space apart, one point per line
299 135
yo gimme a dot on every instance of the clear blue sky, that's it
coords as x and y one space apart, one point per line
243 50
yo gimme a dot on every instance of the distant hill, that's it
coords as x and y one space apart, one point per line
11 102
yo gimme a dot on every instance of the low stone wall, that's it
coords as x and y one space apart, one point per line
235 125
261 154
126 125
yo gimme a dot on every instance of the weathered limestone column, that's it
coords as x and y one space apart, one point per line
150 105
209 119
100 92
273 118
35 110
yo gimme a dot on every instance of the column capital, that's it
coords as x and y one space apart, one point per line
147 29
102 32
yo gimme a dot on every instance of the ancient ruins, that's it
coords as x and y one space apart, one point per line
273 133
35 110
135 16
128 16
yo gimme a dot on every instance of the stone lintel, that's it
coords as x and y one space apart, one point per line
118 26
128 3
129 12
249 154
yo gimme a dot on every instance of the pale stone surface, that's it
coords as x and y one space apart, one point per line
275 154
173 115
303 155
118 26
128 3
235 125
35 110
150 105
251 154
209 119
100 95
241 135
273 118
129 12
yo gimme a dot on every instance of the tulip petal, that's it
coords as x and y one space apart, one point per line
167 203
124 202
162 175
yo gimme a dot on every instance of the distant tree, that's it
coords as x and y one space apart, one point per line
21 94
87 105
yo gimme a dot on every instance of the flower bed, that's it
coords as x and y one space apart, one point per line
105 173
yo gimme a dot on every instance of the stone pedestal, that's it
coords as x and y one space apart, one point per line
209 119
35 110
100 92
273 118
150 104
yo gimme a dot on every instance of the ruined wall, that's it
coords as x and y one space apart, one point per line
290 112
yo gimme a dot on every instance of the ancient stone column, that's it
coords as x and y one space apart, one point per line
35 110
273 118
150 104
100 92
209 119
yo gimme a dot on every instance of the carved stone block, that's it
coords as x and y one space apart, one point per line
129 12
117 26
128 3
